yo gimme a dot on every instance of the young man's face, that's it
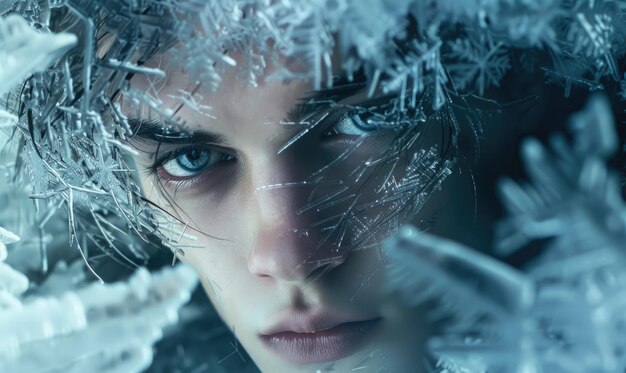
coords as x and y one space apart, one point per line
287 218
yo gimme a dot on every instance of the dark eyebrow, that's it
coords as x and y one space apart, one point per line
150 130
153 130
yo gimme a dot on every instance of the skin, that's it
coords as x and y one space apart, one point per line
256 256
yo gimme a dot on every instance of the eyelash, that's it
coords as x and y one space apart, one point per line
347 119
157 168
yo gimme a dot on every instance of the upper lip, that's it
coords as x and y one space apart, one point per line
309 322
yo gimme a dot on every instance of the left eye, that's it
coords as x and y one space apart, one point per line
351 124
188 162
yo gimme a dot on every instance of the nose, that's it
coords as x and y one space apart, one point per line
289 256
285 246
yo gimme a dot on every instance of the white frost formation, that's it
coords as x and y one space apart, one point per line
566 311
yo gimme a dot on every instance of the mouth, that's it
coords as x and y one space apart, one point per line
322 345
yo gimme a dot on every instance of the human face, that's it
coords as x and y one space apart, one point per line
286 239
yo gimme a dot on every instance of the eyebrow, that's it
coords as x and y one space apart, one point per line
151 130
157 131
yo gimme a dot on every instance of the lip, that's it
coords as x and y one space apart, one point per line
318 338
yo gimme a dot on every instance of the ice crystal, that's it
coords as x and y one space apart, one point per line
419 68
24 51
66 65
481 61
569 302
7 119
7 237
370 37
93 326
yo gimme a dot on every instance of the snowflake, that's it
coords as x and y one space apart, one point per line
593 36
482 61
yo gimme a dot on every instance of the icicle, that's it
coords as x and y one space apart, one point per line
24 50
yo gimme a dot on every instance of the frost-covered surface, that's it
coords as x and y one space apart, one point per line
451 49
67 324
62 115
74 328
565 312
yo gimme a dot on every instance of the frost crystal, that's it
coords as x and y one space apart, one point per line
483 61
68 106
24 51
569 302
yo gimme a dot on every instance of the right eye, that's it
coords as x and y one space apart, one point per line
190 161
351 124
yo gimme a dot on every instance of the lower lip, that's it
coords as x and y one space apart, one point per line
324 346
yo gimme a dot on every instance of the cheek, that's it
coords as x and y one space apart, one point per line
210 211
215 240
370 199
224 276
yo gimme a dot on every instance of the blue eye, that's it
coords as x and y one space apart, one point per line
187 162
352 124
194 160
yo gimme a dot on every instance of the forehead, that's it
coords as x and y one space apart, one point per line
233 107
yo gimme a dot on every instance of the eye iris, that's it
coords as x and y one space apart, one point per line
362 121
354 125
193 160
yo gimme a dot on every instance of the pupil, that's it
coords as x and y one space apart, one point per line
362 121
193 160
193 155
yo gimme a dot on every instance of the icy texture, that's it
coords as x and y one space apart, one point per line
24 51
103 328
67 324
565 313
72 131
63 104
